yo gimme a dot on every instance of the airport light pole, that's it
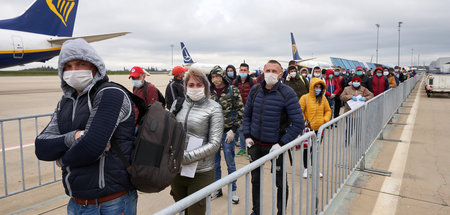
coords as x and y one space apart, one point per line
171 46
378 31
399 25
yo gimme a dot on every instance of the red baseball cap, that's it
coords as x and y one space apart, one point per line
178 70
136 72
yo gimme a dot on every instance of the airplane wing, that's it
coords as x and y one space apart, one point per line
303 60
89 39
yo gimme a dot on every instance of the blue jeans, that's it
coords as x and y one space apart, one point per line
126 204
228 151
242 138
331 103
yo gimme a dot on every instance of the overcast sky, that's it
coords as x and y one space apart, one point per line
229 31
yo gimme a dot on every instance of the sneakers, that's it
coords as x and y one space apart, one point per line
234 197
241 152
305 174
217 194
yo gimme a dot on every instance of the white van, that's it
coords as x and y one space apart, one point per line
437 82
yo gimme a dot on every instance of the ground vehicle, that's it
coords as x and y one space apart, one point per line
437 82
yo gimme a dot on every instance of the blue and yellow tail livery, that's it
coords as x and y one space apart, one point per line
294 49
49 17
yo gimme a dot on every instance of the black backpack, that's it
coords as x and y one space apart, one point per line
158 148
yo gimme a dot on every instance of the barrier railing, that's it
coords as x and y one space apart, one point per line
349 137
17 137
305 204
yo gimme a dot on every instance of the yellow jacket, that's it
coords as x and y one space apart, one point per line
317 114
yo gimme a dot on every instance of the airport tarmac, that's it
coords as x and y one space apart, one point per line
423 187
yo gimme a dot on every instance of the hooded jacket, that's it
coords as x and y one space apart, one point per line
333 86
104 111
201 119
317 114
231 102
262 114
351 91
299 84
234 72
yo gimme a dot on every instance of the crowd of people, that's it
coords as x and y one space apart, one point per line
224 108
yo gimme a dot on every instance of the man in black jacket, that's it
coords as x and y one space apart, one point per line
175 87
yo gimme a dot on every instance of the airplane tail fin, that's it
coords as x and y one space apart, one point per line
294 49
49 17
186 56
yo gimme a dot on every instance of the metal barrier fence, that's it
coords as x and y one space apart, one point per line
305 204
349 137
344 145
23 175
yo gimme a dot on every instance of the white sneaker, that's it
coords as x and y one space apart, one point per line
234 197
305 173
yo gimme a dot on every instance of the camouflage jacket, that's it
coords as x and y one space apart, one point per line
230 103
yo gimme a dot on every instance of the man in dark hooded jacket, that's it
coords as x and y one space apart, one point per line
91 113
231 72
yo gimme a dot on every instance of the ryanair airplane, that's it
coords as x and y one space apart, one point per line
307 63
37 34
189 63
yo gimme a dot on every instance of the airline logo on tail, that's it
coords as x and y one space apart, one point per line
186 56
62 9
294 48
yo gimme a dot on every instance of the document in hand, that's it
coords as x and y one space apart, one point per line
355 104
189 170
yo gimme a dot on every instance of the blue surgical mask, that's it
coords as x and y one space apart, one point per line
379 75
356 84
230 74
336 73
137 83
317 91
243 75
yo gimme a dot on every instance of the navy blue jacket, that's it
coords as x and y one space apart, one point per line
262 114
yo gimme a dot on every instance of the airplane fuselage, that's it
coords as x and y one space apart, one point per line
18 48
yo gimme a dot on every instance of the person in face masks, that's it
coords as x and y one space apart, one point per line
365 81
356 89
231 72
298 83
91 112
228 96
244 83
317 73
202 118
333 89
304 73
272 118
380 83
175 88
316 112
137 76
391 78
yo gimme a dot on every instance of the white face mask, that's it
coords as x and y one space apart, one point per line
78 79
271 78
317 74
195 94
385 73
293 74
304 74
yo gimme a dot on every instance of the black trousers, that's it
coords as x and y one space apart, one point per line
337 106
255 152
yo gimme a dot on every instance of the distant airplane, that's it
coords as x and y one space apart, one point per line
191 64
308 63
37 34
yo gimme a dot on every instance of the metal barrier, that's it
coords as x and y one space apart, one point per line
349 137
26 176
306 204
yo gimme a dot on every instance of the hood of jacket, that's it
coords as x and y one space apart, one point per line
79 49
315 81
329 72
233 68
218 70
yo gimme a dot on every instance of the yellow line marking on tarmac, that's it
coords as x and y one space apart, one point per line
389 194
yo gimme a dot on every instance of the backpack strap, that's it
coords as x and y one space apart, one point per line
232 102
119 153
255 93
178 105
144 90
171 90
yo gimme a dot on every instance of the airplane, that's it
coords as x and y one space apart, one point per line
307 63
191 64
38 34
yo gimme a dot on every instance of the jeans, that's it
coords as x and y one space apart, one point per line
228 151
331 103
126 204
242 138
255 152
